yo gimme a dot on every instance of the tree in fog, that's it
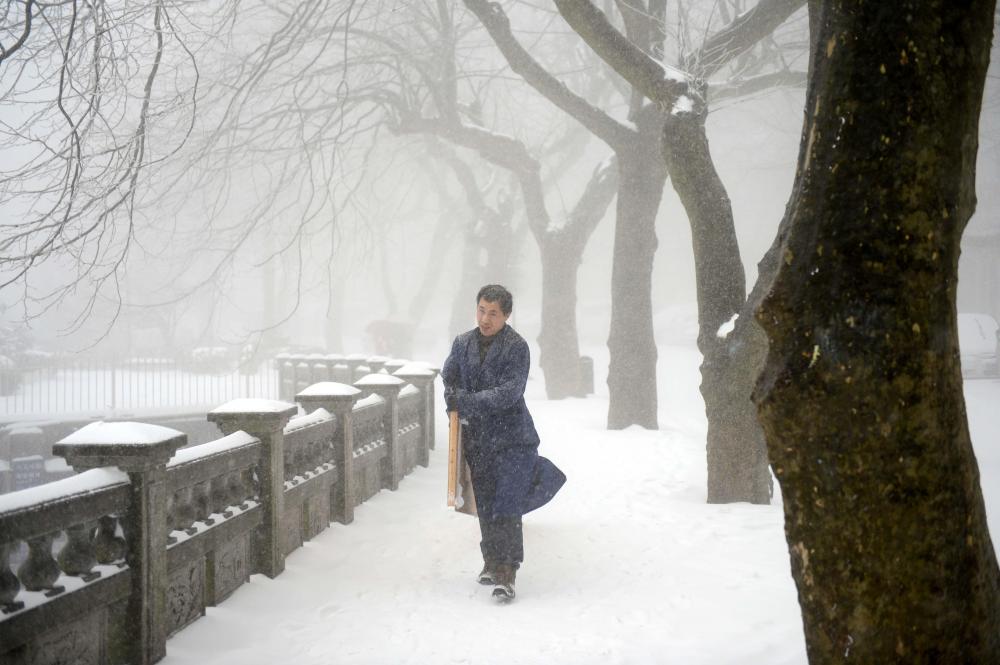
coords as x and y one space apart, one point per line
861 396
641 175
94 101
456 114
126 133
737 459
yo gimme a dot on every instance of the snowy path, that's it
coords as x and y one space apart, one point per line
627 565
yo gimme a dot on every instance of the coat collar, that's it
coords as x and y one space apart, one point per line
491 354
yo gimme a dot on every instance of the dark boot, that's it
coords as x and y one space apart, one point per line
488 573
503 582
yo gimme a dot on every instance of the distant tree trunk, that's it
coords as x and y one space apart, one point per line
334 329
512 155
561 253
632 367
631 344
499 239
736 460
737 454
560 350
439 250
462 306
861 396
270 286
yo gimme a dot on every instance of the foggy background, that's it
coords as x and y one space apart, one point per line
266 217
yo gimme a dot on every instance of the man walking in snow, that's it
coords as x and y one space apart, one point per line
484 378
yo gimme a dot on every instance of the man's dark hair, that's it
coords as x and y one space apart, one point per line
497 293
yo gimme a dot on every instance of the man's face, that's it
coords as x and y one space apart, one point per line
489 317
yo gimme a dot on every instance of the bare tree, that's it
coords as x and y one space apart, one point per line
737 459
85 85
632 370
561 243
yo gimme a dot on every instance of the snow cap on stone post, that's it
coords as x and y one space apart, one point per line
337 398
129 446
253 416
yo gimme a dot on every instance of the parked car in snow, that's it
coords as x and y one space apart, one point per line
977 340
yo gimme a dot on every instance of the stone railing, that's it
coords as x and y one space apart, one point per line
103 566
297 371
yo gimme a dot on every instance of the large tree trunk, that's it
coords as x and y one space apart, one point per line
736 452
557 340
632 347
861 396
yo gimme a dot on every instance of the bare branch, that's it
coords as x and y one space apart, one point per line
495 21
626 58
739 36
7 52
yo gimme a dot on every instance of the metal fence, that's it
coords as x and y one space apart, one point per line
81 386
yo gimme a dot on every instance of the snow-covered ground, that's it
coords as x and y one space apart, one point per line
627 565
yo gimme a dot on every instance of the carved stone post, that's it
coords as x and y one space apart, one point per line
266 420
387 387
142 451
376 363
338 399
430 395
423 379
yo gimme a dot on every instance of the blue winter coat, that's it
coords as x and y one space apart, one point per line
489 396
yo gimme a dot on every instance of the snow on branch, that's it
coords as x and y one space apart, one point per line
658 83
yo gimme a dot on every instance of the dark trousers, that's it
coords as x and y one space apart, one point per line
502 537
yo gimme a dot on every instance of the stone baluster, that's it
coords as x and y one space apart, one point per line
266 420
203 504
338 399
387 387
250 485
423 379
218 496
9 584
173 518
184 511
40 571
109 547
300 460
77 556
142 451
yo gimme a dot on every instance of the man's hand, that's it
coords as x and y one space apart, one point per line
452 396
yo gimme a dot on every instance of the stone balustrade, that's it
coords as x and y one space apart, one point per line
298 371
103 566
